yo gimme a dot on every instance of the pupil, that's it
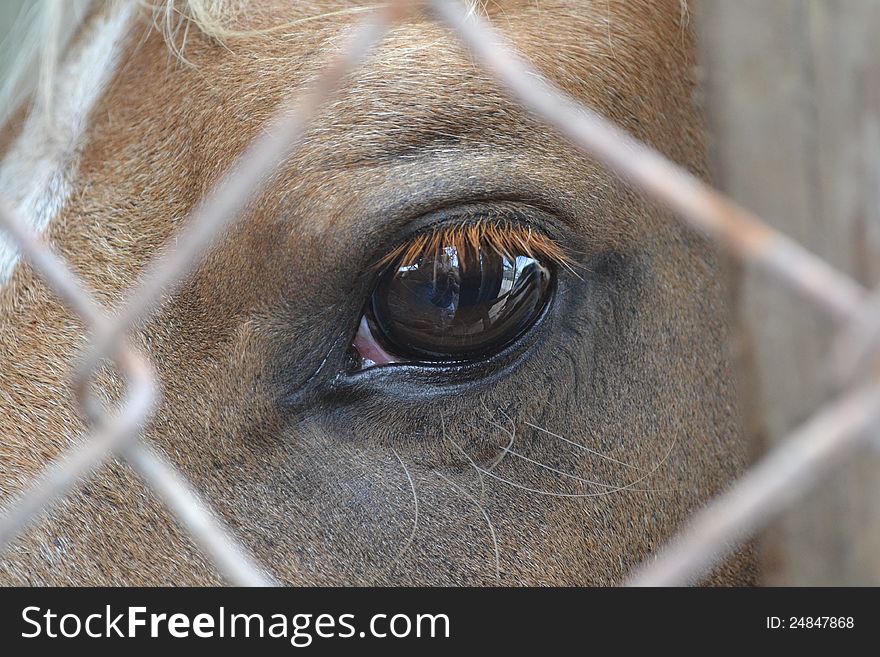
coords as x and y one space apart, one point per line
455 303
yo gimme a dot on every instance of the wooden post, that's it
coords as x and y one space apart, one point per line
792 96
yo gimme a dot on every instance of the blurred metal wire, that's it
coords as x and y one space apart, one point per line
778 481
114 436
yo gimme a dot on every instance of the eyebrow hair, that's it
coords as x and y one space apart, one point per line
502 237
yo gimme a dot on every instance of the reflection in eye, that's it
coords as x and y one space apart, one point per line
457 294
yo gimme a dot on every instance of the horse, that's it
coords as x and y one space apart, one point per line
441 345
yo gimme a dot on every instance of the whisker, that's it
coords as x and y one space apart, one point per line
544 466
505 450
469 459
412 535
488 522
584 447
626 487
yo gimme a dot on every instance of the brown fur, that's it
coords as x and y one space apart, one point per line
310 467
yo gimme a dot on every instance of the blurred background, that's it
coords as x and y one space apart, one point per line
791 90
9 9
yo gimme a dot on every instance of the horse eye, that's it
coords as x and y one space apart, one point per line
453 303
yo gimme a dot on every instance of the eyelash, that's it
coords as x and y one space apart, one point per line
502 237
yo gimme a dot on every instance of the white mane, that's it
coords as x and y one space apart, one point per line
32 49
38 170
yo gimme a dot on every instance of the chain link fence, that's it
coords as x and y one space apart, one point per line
826 440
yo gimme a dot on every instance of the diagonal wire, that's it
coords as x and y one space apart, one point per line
822 443
115 436
835 431
700 204
228 198
768 488
243 181
57 479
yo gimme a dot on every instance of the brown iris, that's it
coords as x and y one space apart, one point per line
462 293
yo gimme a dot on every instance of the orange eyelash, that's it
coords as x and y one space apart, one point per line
468 239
